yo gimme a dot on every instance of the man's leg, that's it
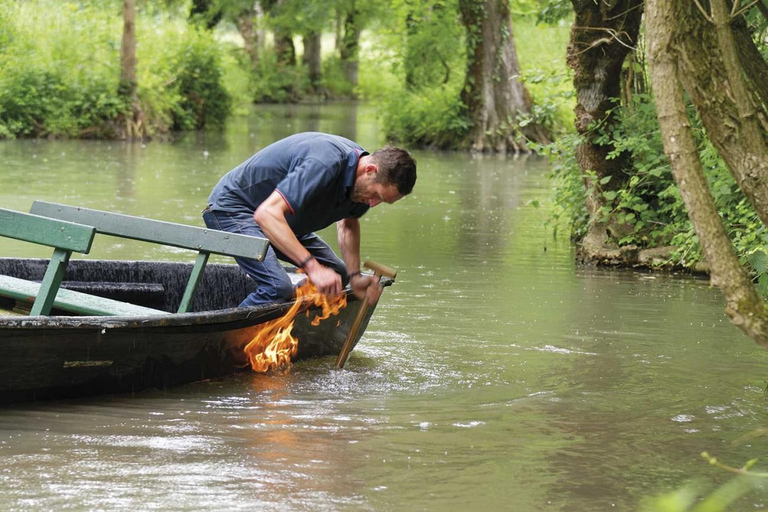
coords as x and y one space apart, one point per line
273 284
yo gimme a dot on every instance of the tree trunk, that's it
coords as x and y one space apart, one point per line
726 107
247 29
752 61
495 99
128 48
744 306
284 48
602 35
311 59
350 44
411 29
134 125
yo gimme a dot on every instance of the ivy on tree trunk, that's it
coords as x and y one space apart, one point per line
602 35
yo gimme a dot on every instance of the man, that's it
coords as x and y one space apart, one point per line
299 185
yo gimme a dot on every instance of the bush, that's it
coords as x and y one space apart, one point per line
272 83
434 118
203 99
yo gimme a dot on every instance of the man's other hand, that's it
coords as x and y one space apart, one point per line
362 283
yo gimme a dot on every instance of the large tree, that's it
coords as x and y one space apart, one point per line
349 42
602 35
132 123
693 50
497 103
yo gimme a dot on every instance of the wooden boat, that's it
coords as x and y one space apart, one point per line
139 339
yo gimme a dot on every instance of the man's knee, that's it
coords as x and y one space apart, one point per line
278 289
283 290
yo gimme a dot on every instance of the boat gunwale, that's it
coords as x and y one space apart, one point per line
256 315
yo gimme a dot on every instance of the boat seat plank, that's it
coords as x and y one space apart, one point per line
157 231
72 301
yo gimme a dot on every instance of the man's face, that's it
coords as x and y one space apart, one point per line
368 191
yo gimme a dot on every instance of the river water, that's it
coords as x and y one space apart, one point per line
495 375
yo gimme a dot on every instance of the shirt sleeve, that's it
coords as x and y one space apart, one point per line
308 178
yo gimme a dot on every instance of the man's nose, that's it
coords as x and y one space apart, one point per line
374 202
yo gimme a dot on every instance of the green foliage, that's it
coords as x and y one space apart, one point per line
274 83
570 194
553 11
204 101
649 202
53 77
553 99
432 118
334 79
694 497
541 51
418 83
38 102
60 69
421 108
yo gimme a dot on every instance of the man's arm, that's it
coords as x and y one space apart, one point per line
348 234
270 216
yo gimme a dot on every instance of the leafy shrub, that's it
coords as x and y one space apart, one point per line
273 83
334 79
434 118
203 99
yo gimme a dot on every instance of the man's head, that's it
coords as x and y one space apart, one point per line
385 176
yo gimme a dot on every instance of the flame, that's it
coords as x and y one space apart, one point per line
273 346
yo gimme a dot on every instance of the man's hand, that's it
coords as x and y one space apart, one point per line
325 280
361 284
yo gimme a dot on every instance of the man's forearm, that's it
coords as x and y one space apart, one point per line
270 216
348 234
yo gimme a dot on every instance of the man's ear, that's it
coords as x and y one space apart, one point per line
371 168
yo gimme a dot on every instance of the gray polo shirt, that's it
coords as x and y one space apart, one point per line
314 172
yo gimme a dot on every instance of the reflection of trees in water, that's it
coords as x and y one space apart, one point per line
490 192
125 187
339 120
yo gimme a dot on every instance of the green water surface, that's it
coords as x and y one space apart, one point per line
495 375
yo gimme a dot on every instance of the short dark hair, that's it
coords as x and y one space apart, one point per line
396 167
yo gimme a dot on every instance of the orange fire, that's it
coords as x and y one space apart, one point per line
273 346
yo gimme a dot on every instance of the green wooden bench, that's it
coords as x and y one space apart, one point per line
65 237
204 241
